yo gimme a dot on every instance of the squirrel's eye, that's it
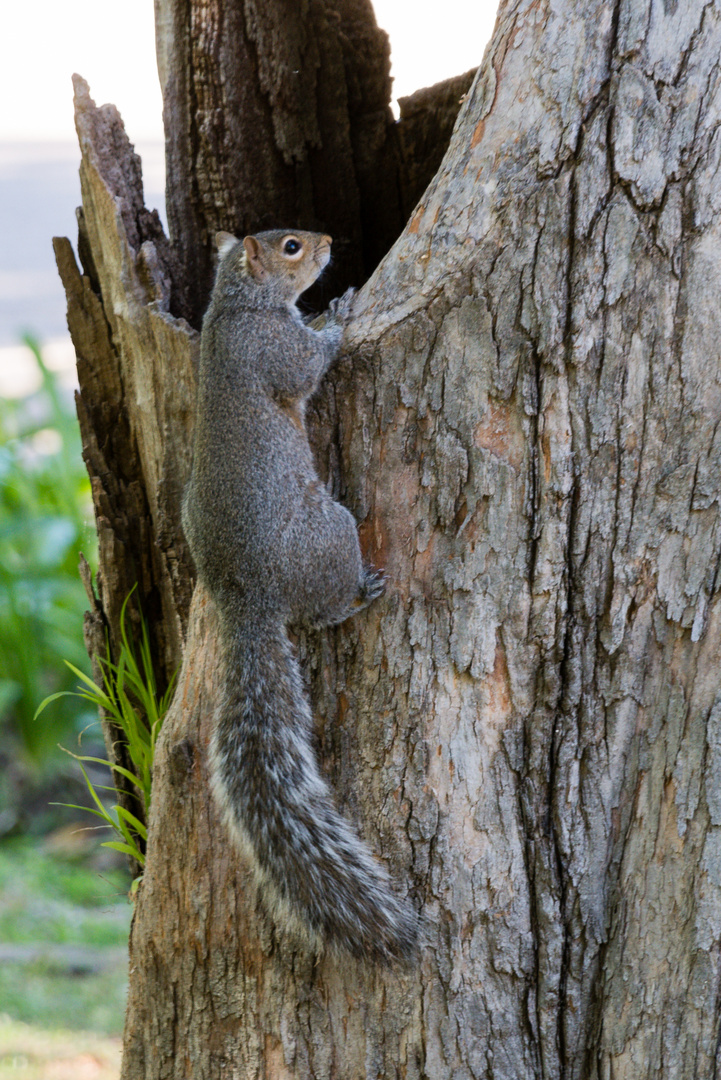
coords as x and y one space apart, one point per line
291 247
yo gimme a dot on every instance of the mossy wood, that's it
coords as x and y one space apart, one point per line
527 729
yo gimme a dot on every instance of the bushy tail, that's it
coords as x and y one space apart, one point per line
310 863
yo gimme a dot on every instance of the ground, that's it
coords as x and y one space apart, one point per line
64 923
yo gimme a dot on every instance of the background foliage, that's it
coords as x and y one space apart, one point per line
64 913
45 521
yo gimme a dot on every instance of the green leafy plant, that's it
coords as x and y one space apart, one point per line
45 520
129 698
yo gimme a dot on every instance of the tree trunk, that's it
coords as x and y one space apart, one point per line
275 113
527 729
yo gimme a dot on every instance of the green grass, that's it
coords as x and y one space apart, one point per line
54 910
64 923
41 994
55 900
129 698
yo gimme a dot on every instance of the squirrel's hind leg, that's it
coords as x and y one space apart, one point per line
326 580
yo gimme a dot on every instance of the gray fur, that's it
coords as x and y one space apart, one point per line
273 548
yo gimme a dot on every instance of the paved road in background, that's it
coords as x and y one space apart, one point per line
39 190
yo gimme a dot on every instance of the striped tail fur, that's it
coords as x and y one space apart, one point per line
311 866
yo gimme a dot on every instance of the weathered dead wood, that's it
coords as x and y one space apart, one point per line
277 115
135 369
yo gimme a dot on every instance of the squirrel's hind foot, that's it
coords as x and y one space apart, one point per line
372 587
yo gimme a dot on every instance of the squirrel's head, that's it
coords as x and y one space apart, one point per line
282 263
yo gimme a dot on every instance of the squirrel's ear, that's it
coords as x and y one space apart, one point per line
224 241
253 258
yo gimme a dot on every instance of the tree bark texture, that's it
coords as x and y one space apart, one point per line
137 385
527 728
275 114
426 125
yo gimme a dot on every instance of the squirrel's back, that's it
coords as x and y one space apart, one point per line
251 458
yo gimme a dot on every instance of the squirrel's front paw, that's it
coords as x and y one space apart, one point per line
340 308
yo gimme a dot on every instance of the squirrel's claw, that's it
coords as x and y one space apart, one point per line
374 585
339 308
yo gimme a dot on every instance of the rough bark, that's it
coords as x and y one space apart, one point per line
424 132
135 370
279 115
528 727
275 115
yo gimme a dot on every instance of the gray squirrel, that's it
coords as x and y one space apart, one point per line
274 549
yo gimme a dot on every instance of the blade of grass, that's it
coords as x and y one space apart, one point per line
129 698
